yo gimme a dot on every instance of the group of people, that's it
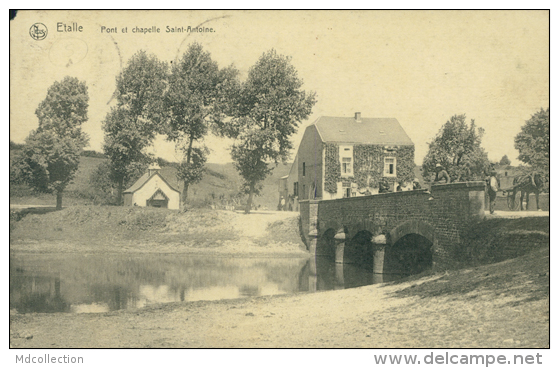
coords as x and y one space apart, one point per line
384 186
442 177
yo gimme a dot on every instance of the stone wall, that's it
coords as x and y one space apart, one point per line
442 216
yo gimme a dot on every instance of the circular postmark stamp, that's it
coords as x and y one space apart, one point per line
38 31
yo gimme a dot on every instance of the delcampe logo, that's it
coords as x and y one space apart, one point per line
38 31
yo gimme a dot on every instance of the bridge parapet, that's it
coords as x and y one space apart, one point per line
440 215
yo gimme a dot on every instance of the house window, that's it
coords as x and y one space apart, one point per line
389 166
303 169
296 189
304 192
346 166
346 160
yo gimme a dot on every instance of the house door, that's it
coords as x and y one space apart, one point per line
161 203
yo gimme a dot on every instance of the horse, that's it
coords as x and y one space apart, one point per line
526 184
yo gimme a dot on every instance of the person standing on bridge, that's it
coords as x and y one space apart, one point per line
441 176
492 190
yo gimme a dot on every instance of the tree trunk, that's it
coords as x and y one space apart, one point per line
119 193
249 202
184 193
59 199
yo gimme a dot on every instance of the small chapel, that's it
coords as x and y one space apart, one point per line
152 190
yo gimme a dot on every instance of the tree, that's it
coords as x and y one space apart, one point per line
533 142
130 127
504 161
266 112
124 145
192 171
196 88
103 188
51 154
457 148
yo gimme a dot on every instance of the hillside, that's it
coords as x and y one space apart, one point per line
221 181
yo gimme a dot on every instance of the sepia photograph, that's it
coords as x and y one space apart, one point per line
280 179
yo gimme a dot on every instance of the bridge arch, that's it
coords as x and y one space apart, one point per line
359 248
326 244
413 227
411 248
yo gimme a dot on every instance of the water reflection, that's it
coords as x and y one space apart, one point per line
94 283
322 273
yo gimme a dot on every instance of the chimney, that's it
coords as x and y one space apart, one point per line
357 117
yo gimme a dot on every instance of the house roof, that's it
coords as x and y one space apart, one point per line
369 131
143 180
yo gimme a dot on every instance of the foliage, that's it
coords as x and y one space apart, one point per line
332 173
505 161
193 171
368 165
103 189
92 153
406 163
163 162
50 157
533 142
457 148
195 88
18 168
131 126
266 112
15 146
139 91
124 146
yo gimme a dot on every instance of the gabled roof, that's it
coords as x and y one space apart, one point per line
386 131
158 191
143 180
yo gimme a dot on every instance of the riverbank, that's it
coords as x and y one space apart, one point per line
103 229
504 305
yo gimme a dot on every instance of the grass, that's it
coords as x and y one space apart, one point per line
141 229
102 225
497 280
498 239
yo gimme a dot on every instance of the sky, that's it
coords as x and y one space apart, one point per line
420 67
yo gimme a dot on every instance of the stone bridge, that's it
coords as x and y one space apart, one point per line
401 232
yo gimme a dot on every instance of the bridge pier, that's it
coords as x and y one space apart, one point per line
309 224
340 283
379 245
340 240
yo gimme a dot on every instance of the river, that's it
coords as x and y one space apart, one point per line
49 283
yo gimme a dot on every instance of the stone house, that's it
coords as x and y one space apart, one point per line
152 190
343 157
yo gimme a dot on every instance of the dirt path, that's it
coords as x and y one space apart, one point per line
500 305
254 224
